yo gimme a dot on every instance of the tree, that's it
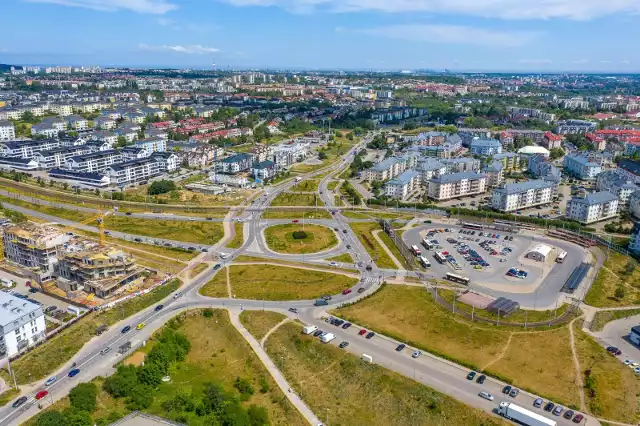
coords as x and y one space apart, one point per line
258 416
78 418
322 155
299 235
122 141
51 418
244 387
141 397
150 374
556 153
619 293
122 383
161 187
83 397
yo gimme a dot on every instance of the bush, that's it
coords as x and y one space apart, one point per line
51 418
244 387
207 313
83 397
299 235
161 187
141 397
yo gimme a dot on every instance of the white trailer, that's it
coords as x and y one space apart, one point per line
511 411
308 329
327 337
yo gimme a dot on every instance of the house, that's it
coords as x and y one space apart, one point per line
234 164
401 186
580 167
456 185
485 147
593 207
264 170
522 195
7 130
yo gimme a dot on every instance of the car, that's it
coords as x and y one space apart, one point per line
125 329
361 289
486 395
627 362
400 347
140 326
18 402
295 221
471 375
294 310
33 290
333 264
348 246
416 354
177 295
343 345
317 333
549 406
481 379
578 418
50 381
506 389
346 291
514 392
568 414
137 240
370 335
42 394
362 332
209 218
216 267
128 213
74 372
557 411
537 403
159 307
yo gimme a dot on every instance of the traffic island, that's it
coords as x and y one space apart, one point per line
296 238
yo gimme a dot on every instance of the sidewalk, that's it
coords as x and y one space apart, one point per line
234 315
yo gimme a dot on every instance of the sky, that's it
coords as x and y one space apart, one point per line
458 35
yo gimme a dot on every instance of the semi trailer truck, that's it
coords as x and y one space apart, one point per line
511 411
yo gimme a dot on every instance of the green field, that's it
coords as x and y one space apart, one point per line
238 239
296 199
280 238
306 186
364 233
258 323
618 271
299 214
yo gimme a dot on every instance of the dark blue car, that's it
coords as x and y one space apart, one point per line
125 329
74 372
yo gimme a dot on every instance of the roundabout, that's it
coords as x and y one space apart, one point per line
295 238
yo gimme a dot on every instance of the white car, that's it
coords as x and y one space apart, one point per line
627 362
486 395
333 264
50 381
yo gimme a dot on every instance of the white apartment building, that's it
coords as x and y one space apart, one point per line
7 130
619 183
400 187
456 185
58 157
522 195
580 167
61 109
26 148
152 144
594 207
77 122
122 174
22 325
390 168
94 162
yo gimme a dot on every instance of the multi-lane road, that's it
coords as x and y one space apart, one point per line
435 372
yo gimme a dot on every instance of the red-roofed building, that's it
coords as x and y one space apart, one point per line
598 142
552 141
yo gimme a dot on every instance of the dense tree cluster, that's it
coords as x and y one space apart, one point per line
161 187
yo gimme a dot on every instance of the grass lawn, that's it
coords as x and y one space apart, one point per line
219 353
49 356
393 248
364 233
188 232
258 323
246 259
279 238
332 185
8 395
615 273
411 315
238 240
296 199
344 257
217 286
197 270
615 387
271 213
603 317
306 186
269 282
355 393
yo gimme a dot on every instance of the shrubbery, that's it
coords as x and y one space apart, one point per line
299 235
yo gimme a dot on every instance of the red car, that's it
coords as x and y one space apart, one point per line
362 332
347 291
42 394
578 418
296 221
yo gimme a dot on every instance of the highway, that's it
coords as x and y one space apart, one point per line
430 370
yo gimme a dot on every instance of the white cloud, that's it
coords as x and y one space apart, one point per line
506 9
155 7
192 49
625 62
535 61
193 27
452 34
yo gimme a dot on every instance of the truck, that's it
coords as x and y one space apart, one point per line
511 411
308 329
124 348
327 337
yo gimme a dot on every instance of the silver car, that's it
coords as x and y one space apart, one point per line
486 395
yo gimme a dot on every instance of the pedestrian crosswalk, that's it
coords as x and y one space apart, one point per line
369 280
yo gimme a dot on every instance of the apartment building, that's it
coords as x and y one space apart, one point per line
234 164
167 161
593 207
511 161
485 147
619 184
264 170
22 325
386 169
469 134
58 157
34 247
105 123
460 165
430 168
572 127
26 148
77 123
7 130
105 136
494 173
130 134
94 162
530 112
401 186
552 141
536 136
522 195
152 144
99 180
133 171
456 185
580 167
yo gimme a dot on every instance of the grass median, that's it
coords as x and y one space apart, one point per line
364 232
217 286
270 282
238 239
312 238
344 258
296 199
335 383
306 186
274 213
602 318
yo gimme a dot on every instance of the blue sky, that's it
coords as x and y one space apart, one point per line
496 35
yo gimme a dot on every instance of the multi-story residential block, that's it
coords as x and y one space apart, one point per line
522 195
9 113
22 325
536 136
540 166
456 185
511 161
386 169
593 207
552 141
167 161
571 127
132 153
95 162
18 163
61 109
152 144
129 133
99 180
485 147
467 135
530 112
77 122
105 136
26 148
580 167
494 173
463 164
133 171
105 123
57 157
619 184
264 170
401 186
234 164
430 168
34 247
7 130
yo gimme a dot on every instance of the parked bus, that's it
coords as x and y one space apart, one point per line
415 250
427 244
440 257
424 262
457 278
561 257
475 226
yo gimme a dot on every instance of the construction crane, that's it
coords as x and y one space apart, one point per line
99 219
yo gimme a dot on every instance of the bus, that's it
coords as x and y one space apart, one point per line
427 244
475 226
561 257
457 278
440 257
424 262
415 250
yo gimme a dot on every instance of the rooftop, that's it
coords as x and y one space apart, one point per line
457 177
516 188
13 308
595 198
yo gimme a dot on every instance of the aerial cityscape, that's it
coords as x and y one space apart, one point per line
290 227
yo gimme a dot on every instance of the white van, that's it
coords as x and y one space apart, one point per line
367 358
308 329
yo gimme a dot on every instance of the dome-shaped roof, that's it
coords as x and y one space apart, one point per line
533 149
